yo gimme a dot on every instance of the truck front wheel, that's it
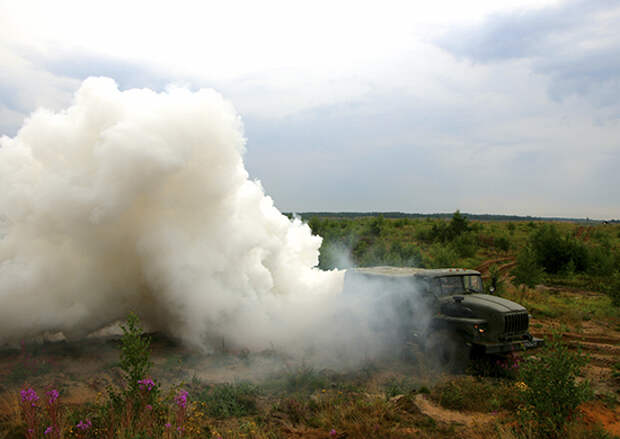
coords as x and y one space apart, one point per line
446 350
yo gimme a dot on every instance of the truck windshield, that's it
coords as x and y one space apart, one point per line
460 285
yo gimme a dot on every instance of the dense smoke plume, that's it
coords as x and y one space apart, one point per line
137 200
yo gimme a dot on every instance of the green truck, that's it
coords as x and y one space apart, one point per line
447 314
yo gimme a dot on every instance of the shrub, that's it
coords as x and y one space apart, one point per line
137 404
601 260
230 399
443 256
465 245
305 379
411 256
527 271
502 243
555 252
135 361
315 225
376 225
612 289
458 225
550 393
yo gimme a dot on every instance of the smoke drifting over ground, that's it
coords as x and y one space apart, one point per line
137 200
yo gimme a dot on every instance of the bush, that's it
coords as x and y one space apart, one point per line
305 379
138 399
376 225
458 225
315 225
555 252
135 361
550 393
443 256
230 399
502 243
465 245
411 256
601 260
527 271
612 289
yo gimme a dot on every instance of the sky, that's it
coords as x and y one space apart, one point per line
508 107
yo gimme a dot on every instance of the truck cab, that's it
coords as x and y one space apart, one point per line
449 314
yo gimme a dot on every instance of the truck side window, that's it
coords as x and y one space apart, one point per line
472 283
451 285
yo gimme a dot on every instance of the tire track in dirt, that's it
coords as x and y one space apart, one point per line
603 352
484 267
505 264
441 414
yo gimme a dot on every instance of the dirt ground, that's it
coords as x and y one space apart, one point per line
82 370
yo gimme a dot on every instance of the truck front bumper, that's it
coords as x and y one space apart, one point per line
508 346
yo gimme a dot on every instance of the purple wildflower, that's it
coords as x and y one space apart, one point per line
168 425
147 384
332 432
49 429
84 425
52 396
149 407
181 399
29 395
180 429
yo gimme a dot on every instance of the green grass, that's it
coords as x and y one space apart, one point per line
471 394
230 399
566 307
400 386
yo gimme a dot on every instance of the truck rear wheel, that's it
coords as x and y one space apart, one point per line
447 350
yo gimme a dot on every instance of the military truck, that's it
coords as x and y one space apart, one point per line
447 314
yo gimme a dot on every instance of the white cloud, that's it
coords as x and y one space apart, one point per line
359 96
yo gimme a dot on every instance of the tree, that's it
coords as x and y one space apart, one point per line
527 271
458 225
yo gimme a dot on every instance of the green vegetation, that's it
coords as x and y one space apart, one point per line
565 273
528 271
229 399
551 393
134 358
573 254
538 398
471 394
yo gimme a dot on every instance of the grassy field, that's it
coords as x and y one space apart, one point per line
566 274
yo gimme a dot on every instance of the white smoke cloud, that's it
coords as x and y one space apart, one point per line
140 201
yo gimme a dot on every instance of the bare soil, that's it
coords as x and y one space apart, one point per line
82 371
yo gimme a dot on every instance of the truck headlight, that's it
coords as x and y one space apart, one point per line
480 328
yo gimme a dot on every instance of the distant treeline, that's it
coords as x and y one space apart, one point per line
472 216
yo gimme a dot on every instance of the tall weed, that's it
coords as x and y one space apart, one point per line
550 391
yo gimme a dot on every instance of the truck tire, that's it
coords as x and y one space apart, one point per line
447 351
